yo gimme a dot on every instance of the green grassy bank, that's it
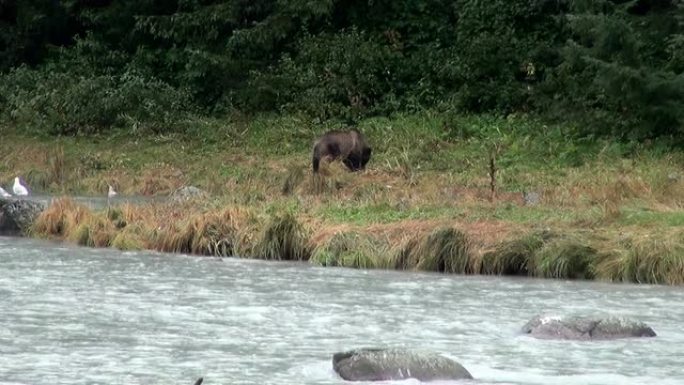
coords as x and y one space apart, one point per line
441 193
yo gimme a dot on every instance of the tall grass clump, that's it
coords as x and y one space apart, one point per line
213 233
65 219
129 238
101 231
330 178
81 235
651 258
670 190
60 218
38 179
116 216
513 257
444 250
135 226
55 161
294 178
565 257
93 230
352 249
283 238
613 194
128 213
175 238
612 264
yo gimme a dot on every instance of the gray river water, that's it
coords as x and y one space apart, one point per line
73 315
95 202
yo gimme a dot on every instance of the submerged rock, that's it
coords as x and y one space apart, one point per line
585 328
17 216
186 193
396 364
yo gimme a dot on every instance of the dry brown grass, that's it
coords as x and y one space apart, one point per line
64 219
489 247
669 194
173 229
612 189
60 218
500 235
584 188
163 179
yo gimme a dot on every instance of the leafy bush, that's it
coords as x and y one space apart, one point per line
332 75
503 49
68 104
614 66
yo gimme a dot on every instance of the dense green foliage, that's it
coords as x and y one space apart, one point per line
80 66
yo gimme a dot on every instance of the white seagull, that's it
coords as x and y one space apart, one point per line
4 193
111 193
18 188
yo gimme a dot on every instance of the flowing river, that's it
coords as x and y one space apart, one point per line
72 315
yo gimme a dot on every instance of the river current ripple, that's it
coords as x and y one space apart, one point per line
98 316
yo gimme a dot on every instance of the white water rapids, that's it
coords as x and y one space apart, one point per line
97 316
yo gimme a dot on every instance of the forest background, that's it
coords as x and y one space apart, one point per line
76 67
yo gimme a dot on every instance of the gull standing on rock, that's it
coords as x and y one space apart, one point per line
18 188
4 193
111 194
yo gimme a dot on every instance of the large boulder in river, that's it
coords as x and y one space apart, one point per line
17 215
585 328
396 364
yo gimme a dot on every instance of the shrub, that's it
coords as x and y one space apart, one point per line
345 74
67 104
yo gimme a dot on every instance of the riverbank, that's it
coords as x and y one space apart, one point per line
473 195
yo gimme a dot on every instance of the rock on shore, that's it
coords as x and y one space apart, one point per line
17 216
396 364
187 193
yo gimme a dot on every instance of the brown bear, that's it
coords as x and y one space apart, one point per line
349 146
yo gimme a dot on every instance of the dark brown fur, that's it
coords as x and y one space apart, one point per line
349 146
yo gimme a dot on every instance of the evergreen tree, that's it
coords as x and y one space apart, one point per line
621 71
